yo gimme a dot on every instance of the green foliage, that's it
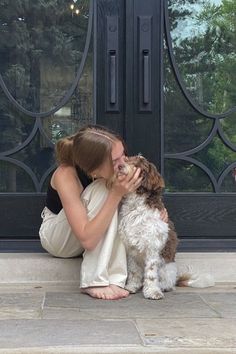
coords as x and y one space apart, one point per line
205 52
41 46
37 37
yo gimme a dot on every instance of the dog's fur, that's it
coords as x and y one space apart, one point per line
150 242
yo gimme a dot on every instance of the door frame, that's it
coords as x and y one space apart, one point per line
204 221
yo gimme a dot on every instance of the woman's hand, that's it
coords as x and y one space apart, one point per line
125 184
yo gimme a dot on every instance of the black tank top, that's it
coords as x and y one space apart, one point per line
53 201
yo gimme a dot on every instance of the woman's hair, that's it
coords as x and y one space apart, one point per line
64 151
89 148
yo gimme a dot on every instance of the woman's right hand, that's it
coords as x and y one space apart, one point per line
125 184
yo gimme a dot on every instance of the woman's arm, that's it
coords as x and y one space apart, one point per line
69 188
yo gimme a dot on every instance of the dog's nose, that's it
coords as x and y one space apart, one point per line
123 169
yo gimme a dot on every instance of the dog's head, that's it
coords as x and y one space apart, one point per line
151 178
124 169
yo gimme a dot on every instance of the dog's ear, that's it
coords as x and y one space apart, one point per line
152 180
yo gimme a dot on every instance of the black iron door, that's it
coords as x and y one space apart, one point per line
158 72
166 81
46 92
129 39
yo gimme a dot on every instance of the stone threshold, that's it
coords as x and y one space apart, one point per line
41 267
116 350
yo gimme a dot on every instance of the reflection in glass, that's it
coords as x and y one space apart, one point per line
78 111
228 125
229 183
204 43
14 126
216 156
39 62
14 179
182 176
185 128
38 155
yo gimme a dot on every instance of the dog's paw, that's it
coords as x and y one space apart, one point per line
153 294
166 290
132 288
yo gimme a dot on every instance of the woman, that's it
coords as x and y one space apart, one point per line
81 216
77 219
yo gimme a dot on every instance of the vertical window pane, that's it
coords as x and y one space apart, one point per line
78 111
42 44
15 127
203 39
14 179
204 42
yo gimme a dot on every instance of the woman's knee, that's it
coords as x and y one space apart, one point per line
61 252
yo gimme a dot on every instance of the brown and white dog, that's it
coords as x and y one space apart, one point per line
150 242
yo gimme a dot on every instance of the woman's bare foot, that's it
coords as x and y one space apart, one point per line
102 292
111 292
119 291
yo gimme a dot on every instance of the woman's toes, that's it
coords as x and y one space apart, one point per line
119 291
101 292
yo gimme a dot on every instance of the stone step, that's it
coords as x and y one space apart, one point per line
41 267
59 319
111 350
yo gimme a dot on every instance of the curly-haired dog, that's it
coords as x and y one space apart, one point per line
150 242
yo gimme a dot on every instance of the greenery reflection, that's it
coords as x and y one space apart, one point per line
14 179
185 128
182 176
216 156
15 126
78 111
39 62
204 43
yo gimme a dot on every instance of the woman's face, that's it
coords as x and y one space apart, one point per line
118 155
118 159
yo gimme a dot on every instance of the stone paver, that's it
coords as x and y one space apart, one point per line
16 333
195 332
44 318
174 305
224 304
23 305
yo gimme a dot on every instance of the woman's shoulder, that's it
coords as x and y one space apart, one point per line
63 173
65 169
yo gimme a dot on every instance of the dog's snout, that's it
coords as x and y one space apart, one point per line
124 169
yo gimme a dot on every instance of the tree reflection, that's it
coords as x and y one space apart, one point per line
204 44
41 48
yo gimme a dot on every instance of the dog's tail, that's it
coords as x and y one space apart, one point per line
187 276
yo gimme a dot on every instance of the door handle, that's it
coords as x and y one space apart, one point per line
145 62
112 64
112 76
146 84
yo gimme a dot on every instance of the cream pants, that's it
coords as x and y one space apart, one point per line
104 265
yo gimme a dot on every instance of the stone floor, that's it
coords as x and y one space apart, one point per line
57 318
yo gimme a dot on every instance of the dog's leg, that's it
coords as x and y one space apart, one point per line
151 285
135 273
168 276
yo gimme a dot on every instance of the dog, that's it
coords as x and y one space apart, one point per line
150 242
